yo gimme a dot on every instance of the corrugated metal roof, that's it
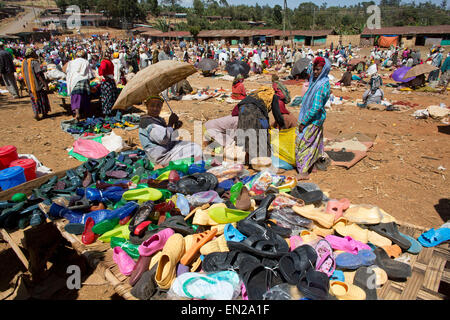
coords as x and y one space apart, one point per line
261 32
408 30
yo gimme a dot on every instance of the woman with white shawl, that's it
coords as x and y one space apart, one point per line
78 76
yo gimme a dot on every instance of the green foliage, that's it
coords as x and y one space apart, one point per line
344 20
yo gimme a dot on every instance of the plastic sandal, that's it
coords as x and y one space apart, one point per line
354 261
155 243
416 247
88 236
294 265
346 291
105 226
310 212
171 254
142 195
233 234
314 285
347 244
434 237
364 214
119 231
199 241
394 269
125 263
226 215
337 208
365 278
390 231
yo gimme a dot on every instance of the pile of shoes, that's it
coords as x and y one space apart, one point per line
96 125
202 230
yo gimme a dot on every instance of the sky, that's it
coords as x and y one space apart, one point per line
294 3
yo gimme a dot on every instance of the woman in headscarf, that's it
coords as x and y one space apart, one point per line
290 121
78 76
36 84
118 69
238 89
159 140
309 141
108 89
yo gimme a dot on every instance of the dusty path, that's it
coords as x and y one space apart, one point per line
15 26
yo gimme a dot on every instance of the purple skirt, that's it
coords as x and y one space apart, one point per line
81 102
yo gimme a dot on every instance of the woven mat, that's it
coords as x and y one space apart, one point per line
100 255
430 279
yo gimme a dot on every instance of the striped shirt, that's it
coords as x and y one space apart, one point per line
317 113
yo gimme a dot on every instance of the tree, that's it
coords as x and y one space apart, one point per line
194 30
444 4
172 3
198 7
277 15
153 7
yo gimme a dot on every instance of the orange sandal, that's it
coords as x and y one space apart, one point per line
199 240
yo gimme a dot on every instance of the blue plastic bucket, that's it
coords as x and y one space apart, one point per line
12 177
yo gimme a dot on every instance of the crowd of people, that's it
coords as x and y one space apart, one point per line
115 61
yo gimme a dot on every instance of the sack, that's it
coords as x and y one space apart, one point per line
283 144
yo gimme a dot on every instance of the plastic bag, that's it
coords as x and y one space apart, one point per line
113 142
289 219
283 144
223 285
200 198
262 183
284 291
90 149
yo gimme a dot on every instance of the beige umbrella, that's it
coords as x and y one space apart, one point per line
419 69
153 80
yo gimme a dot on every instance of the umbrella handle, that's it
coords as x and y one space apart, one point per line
167 103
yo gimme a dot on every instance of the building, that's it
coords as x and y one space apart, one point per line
407 35
86 20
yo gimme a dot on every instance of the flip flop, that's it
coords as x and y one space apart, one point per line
394 269
416 247
354 261
364 214
226 215
218 261
142 195
346 291
316 214
233 234
381 276
326 261
314 285
197 182
256 278
347 244
366 279
260 246
434 237
294 265
309 197
199 240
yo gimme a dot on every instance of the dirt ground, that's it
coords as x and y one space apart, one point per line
400 173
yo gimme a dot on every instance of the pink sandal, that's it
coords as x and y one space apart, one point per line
155 243
326 261
347 244
295 241
337 207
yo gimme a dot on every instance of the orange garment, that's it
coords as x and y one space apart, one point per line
238 91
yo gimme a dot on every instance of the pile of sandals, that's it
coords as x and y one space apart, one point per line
197 231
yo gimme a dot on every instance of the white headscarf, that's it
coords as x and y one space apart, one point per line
77 70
